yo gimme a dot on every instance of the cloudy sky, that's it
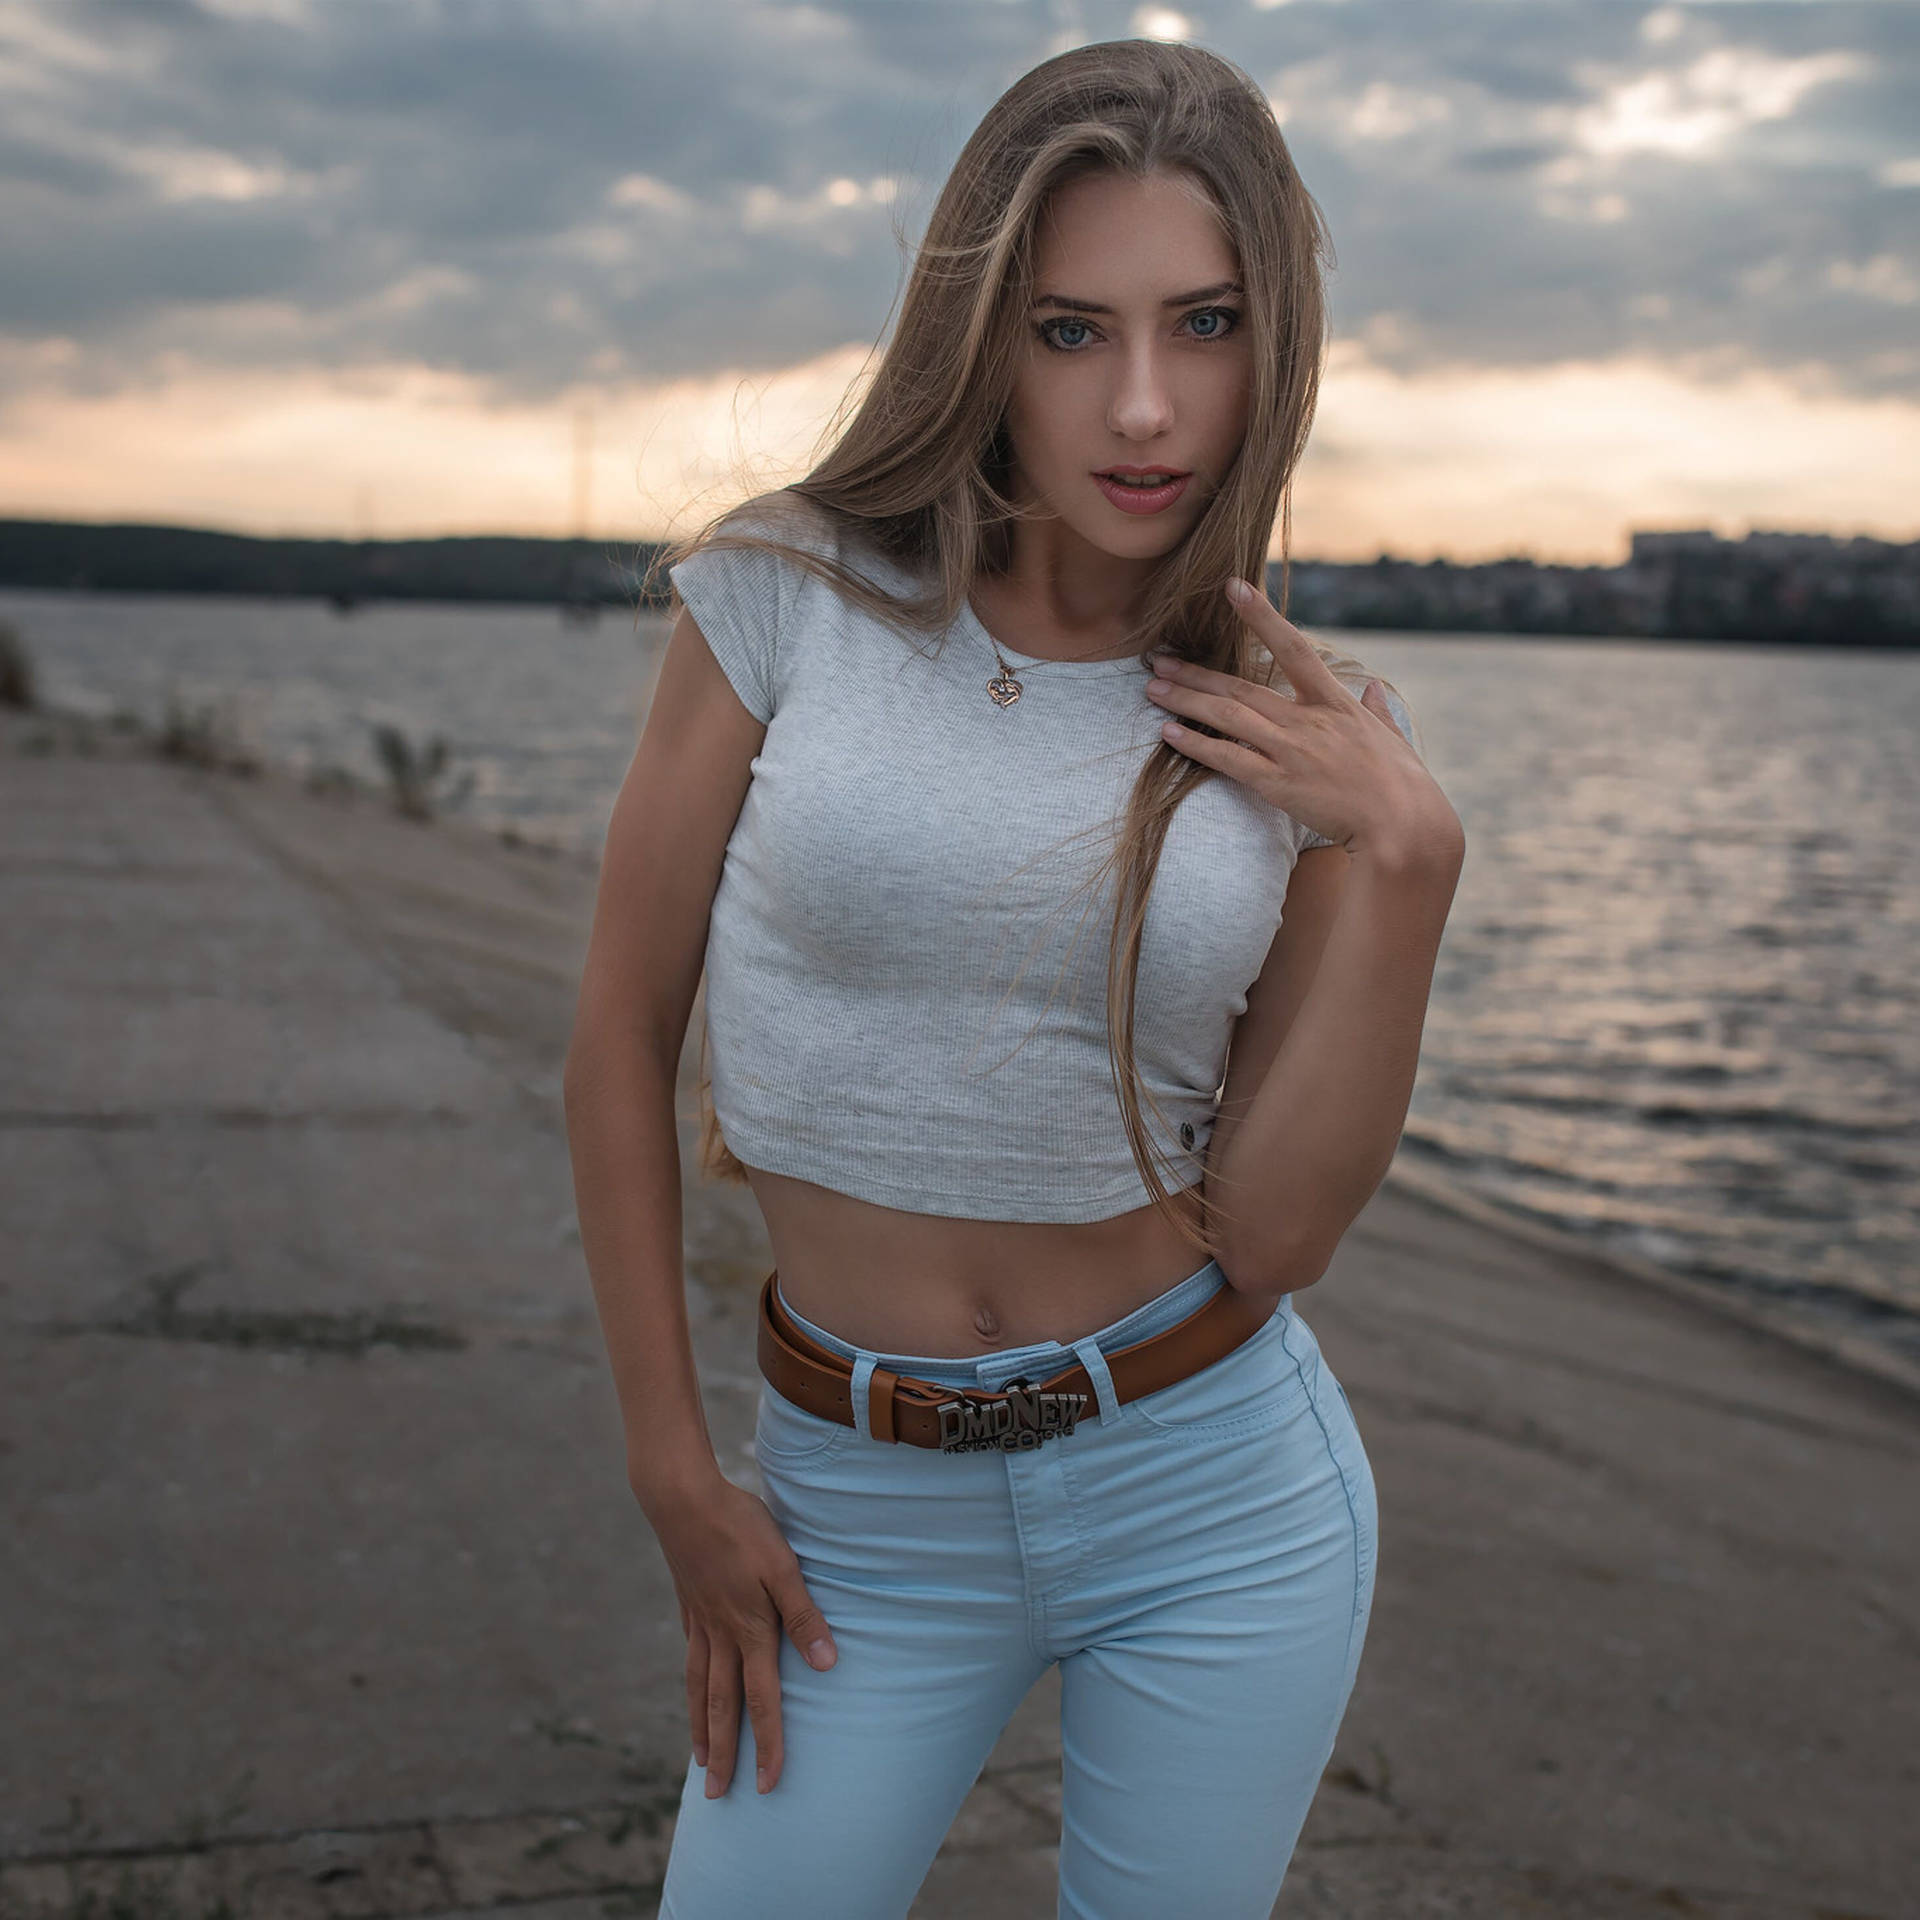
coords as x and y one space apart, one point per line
395 266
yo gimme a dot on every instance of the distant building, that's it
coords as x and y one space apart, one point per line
1676 584
1649 547
1687 584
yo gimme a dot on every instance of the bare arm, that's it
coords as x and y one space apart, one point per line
666 842
739 1582
1322 1064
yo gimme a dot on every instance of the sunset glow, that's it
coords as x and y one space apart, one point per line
290 269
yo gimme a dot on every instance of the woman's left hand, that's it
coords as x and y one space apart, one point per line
1336 764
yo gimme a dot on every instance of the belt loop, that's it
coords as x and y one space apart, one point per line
863 1367
1095 1363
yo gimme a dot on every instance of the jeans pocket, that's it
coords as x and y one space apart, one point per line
1255 1386
790 1436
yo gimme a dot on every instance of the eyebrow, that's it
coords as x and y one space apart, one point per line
1174 300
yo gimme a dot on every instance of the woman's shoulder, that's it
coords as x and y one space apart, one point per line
801 524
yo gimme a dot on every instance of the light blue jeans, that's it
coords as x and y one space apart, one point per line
1200 1563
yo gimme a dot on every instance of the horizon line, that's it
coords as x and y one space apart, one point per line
8 515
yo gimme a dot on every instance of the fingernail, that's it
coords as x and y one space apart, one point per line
699 1756
821 1654
1238 591
713 1787
760 1779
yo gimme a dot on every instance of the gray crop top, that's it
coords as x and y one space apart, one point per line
906 963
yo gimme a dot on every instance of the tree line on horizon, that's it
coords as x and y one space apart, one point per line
1790 587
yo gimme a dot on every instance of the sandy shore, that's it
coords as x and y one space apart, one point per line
325 1594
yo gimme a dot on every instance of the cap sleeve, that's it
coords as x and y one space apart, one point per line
734 594
1305 837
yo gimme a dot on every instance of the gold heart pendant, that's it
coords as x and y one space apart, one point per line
1005 689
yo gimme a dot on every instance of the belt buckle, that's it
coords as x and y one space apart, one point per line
1019 1419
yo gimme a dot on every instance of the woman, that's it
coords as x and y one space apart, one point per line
1008 1419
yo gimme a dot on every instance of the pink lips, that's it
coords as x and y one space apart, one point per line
1143 499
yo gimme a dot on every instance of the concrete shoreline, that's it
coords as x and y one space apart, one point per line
328 1596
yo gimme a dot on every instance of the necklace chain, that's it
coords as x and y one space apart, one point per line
1005 688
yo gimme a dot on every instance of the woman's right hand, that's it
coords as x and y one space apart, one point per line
740 1588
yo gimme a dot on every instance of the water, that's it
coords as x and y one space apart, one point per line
1675 1008
543 714
1676 1002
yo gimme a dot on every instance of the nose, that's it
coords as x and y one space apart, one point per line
1141 404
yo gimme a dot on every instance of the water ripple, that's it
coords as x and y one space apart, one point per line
1674 1008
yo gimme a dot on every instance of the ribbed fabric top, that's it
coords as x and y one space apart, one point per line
906 962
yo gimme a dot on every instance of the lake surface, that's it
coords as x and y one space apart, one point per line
1676 1004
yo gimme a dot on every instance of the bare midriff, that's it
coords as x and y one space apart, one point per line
900 1282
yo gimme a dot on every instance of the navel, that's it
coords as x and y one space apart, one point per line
986 1322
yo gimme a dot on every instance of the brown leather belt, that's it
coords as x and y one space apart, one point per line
924 1413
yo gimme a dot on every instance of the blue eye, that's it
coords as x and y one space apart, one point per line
1046 328
1227 313
1047 335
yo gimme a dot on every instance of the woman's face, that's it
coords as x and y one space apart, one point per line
1137 355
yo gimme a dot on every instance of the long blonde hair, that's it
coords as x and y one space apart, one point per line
920 473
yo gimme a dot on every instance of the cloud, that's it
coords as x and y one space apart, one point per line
400 450
1540 460
1516 187
567 177
1704 106
516 201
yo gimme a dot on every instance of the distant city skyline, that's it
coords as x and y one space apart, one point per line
360 270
